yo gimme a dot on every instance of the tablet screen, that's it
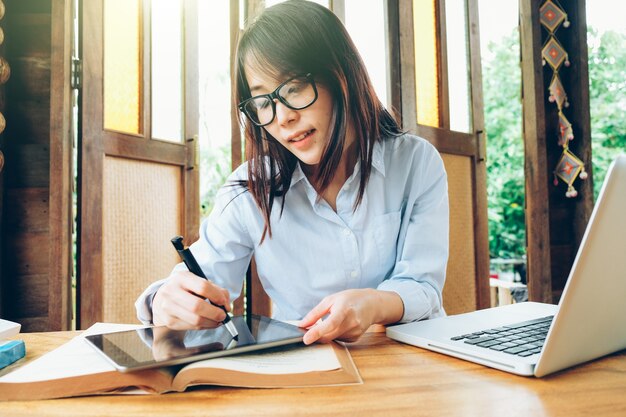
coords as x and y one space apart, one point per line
151 347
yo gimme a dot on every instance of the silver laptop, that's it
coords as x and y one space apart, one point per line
538 339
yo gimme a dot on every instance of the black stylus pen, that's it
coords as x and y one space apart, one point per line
195 269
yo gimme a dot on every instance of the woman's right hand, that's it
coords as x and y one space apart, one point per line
181 302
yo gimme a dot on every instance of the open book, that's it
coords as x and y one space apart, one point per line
76 369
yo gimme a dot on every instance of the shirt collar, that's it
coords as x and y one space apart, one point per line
297 174
378 156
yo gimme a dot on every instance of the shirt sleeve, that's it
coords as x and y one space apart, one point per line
223 250
419 273
143 305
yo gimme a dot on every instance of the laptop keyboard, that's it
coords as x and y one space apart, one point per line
521 339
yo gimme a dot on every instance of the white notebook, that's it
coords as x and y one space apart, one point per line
8 329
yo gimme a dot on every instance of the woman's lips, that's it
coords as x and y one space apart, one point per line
301 136
302 140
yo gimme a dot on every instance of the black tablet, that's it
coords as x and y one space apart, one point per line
152 347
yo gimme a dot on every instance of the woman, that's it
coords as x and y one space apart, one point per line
347 217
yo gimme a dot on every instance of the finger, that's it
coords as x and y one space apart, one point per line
226 295
177 305
196 312
316 313
173 301
174 317
204 288
198 306
325 330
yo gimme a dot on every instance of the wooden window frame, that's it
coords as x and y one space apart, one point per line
472 145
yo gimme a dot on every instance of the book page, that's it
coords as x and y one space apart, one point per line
74 358
292 360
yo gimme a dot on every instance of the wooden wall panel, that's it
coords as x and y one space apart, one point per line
6 66
460 291
25 266
28 210
25 286
32 73
33 124
27 166
29 253
29 301
28 49
142 211
37 34
36 40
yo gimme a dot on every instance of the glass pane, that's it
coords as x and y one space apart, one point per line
458 65
606 41
167 70
215 98
502 85
426 62
365 21
122 65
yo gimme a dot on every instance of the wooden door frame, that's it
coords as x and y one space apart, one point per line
472 145
95 142
60 307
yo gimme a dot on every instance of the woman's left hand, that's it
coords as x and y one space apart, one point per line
350 314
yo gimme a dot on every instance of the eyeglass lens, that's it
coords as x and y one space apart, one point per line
297 94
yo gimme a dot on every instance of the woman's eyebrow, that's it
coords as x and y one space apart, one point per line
255 88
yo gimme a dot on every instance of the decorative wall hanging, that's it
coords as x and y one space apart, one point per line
569 167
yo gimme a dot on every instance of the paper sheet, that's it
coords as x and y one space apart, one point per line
293 360
74 358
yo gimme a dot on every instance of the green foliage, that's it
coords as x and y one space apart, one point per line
607 97
214 170
505 149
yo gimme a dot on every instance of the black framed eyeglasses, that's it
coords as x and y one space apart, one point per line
297 93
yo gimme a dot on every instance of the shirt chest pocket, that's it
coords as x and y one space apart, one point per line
385 234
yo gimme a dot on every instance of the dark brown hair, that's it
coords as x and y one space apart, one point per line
299 37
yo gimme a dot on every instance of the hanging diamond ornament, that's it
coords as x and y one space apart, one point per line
557 92
552 15
567 170
565 130
553 53
570 166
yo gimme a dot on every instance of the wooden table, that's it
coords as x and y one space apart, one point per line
399 380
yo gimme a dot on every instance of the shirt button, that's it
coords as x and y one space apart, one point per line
346 232
354 274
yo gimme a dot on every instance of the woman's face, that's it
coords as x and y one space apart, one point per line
303 132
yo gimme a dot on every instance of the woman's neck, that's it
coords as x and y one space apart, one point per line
345 168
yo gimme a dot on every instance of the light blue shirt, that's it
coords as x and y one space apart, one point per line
396 240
